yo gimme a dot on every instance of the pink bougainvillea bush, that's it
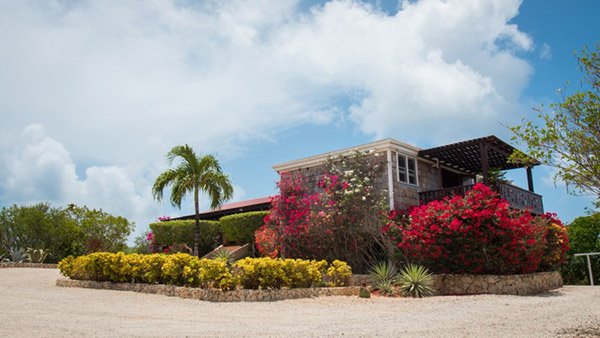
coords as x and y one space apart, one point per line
478 233
337 217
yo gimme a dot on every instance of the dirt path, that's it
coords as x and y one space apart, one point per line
30 305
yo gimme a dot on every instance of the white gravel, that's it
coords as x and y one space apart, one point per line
30 305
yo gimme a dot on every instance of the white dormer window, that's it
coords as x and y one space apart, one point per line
407 169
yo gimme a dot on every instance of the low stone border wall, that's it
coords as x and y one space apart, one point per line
450 284
527 284
212 295
28 265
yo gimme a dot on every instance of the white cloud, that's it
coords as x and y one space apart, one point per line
153 74
546 52
40 169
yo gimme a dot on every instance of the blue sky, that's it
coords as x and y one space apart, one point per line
94 93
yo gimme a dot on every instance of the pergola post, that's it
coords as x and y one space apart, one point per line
485 162
439 174
529 179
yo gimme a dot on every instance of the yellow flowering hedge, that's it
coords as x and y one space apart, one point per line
186 270
255 273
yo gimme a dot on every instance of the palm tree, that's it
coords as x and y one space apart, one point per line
194 174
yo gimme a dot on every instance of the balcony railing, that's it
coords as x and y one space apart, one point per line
518 198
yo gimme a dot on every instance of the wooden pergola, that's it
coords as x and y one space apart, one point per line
477 156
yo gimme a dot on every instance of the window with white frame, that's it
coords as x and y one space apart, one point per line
407 169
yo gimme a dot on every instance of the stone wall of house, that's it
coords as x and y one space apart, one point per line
449 284
407 195
212 295
28 265
314 174
428 177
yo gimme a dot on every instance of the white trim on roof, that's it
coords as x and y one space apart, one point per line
382 145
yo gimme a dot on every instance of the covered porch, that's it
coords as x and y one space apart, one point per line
459 164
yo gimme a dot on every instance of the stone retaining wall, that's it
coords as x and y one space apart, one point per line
28 265
498 284
488 284
212 294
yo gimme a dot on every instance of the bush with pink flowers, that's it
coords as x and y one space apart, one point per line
340 219
479 234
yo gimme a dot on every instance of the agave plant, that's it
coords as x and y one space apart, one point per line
18 255
383 277
224 255
37 255
416 281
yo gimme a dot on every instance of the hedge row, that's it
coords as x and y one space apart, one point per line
186 270
240 228
178 232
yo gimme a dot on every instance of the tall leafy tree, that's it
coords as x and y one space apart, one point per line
66 231
568 136
193 174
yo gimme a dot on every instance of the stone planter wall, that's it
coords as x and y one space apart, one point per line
212 294
497 284
28 265
449 284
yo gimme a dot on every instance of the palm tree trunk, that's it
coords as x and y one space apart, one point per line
196 251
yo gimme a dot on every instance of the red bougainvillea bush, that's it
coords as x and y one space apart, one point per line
479 234
337 217
291 229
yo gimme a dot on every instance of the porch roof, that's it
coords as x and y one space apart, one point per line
467 155
256 204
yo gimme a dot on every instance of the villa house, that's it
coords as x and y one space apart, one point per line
416 176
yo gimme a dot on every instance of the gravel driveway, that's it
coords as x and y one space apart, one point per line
30 305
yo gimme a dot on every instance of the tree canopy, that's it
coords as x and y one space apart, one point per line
568 136
65 231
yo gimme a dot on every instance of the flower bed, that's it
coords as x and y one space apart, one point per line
186 270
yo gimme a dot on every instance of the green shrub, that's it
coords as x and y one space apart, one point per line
304 273
255 273
186 270
240 228
178 269
364 293
61 232
584 235
275 273
339 273
171 233
65 266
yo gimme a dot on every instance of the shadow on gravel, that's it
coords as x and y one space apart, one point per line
552 293
583 331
